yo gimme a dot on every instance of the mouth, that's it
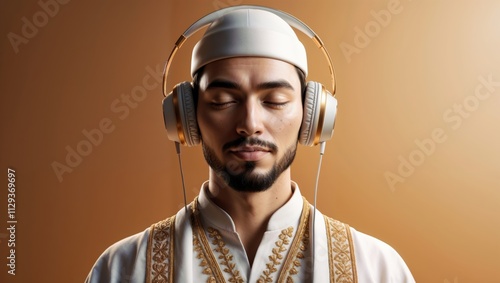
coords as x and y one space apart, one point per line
250 153
250 149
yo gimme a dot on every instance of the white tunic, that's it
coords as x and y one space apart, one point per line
217 249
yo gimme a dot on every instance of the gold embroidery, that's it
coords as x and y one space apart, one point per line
225 256
203 247
160 252
341 252
353 258
291 264
276 257
206 269
299 246
300 255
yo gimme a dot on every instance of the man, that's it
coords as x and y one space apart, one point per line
249 222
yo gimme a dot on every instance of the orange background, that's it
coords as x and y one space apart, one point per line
402 83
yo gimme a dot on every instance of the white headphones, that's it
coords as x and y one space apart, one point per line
320 106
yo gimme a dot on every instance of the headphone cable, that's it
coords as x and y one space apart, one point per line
178 150
321 153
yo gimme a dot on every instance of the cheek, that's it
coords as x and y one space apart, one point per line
204 124
211 126
289 124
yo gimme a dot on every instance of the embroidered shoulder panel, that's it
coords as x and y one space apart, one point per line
160 252
341 252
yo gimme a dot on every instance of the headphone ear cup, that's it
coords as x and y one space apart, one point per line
320 109
179 114
310 114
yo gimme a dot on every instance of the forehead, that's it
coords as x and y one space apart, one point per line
250 70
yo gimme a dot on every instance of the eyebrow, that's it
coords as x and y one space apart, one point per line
220 83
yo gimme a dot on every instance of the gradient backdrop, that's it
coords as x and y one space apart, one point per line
414 160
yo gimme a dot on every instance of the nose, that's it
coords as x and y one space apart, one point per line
250 120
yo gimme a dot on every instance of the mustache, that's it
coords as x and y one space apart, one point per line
250 142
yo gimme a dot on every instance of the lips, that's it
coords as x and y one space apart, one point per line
250 153
249 148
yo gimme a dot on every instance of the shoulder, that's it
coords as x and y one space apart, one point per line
128 249
126 260
373 261
376 261
121 262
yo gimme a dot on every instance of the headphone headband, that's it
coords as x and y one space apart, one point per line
208 19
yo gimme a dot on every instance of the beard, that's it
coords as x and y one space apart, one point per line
240 175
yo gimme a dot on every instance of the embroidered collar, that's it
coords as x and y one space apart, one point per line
216 259
287 254
285 216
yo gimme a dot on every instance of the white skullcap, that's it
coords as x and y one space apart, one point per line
249 32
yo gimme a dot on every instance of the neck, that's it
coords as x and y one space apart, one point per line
253 206
250 211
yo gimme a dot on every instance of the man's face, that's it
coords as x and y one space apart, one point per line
249 113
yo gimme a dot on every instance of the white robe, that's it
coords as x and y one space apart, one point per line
375 261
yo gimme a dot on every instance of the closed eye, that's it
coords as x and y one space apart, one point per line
221 105
276 105
276 99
